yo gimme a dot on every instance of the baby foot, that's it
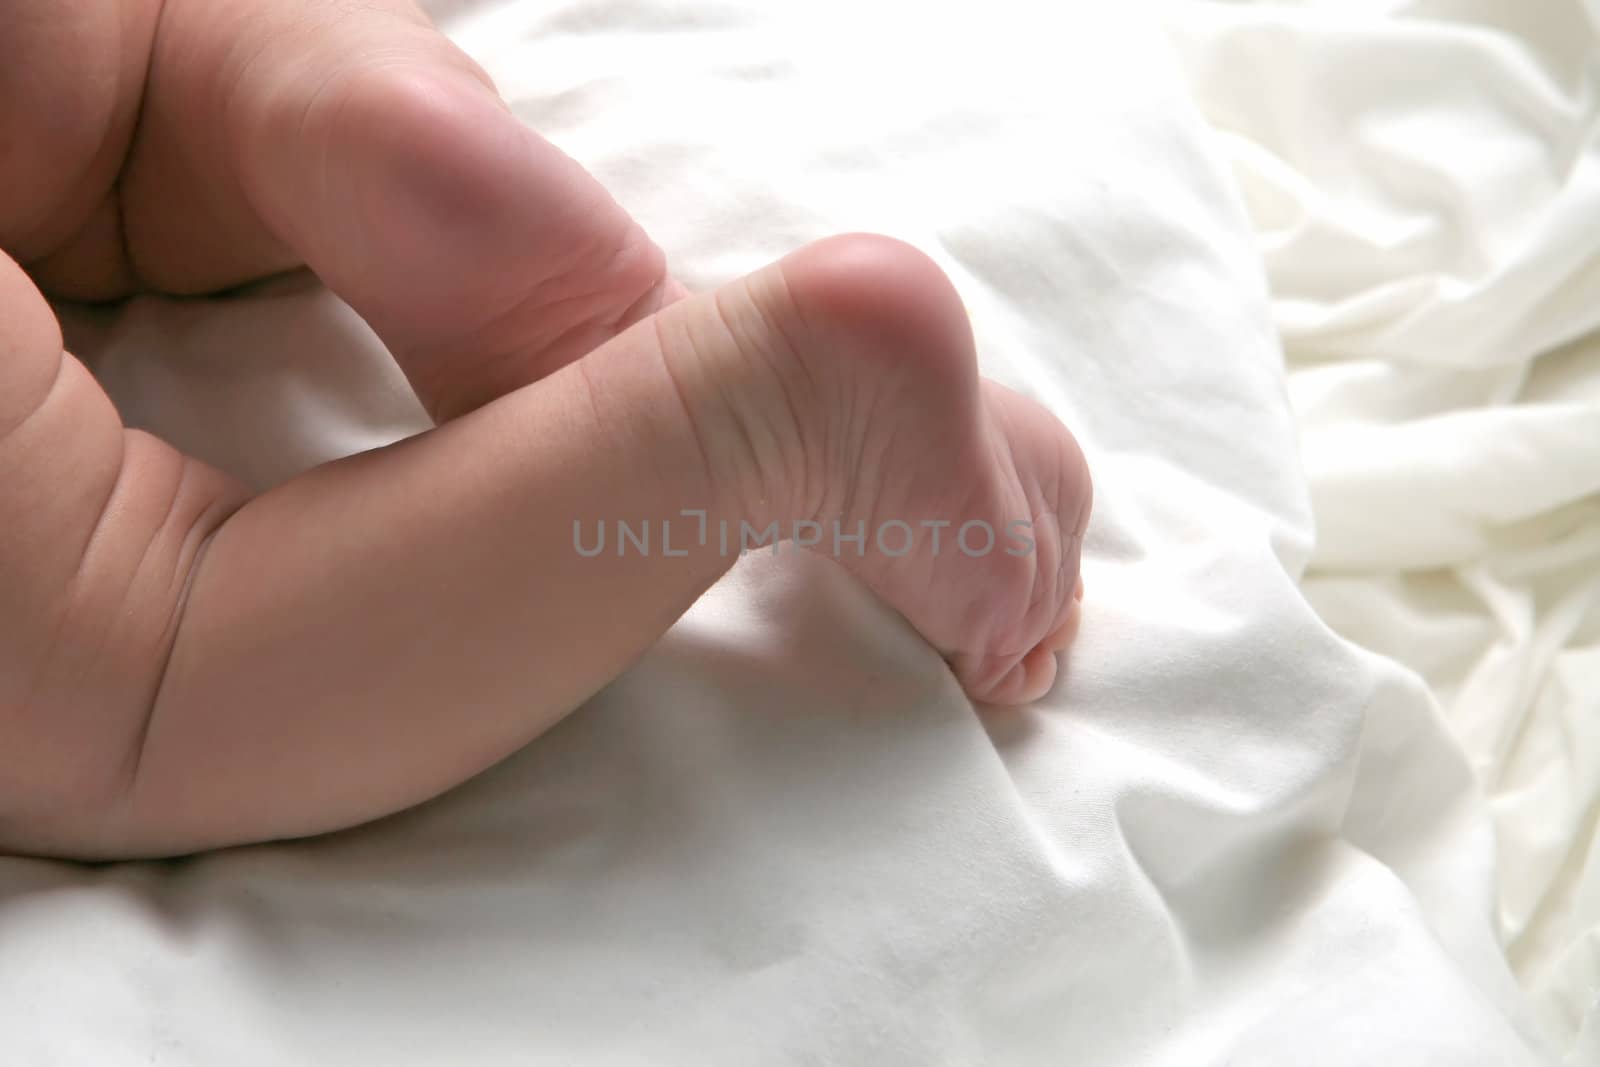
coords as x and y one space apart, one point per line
959 502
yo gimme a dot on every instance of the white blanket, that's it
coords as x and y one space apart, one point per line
1424 179
1228 836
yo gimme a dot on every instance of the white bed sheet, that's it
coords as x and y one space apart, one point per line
1424 180
784 836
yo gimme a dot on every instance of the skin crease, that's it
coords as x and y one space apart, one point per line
183 666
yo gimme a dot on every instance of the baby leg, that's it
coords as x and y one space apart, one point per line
378 630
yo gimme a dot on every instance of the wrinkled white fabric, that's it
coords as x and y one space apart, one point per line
1424 181
1228 836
